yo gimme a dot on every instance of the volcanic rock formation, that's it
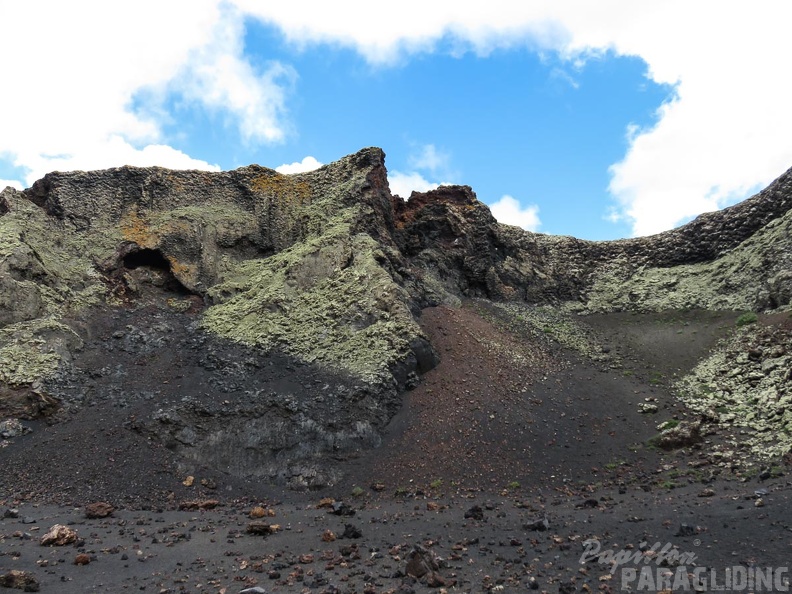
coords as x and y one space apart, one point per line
266 323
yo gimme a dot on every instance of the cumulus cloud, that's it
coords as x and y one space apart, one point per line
404 184
424 158
219 77
4 183
115 151
72 98
509 211
724 133
308 163
75 97
428 157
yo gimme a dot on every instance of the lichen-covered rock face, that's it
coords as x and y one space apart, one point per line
300 263
745 384
737 258
329 270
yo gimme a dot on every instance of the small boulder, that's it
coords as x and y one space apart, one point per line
339 508
12 428
259 529
351 531
199 504
475 513
261 512
19 580
683 435
59 535
421 562
539 525
98 510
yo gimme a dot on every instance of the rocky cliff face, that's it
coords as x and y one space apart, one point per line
221 277
737 258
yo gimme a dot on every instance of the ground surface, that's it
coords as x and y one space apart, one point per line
510 421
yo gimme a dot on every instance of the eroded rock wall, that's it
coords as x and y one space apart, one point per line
736 258
326 269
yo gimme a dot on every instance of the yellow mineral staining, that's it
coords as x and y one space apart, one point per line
283 188
137 229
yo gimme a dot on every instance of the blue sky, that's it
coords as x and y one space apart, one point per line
565 119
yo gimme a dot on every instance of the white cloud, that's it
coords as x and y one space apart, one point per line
725 133
429 158
426 158
113 153
69 98
307 164
509 211
218 76
4 183
404 184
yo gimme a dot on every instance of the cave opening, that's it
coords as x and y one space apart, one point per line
157 268
149 258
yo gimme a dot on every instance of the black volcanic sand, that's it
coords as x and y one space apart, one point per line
509 422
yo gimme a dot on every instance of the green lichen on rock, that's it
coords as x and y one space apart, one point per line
330 297
46 266
753 276
47 272
32 351
325 300
558 325
745 384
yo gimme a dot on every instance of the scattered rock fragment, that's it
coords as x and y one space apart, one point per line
260 529
97 510
647 408
199 504
261 512
59 535
567 587
12 428
686 530
539 525
351 531
339 508
424 565
82 559
475 513
19 580
683 435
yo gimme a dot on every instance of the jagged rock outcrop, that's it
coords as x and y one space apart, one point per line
736 258
325 269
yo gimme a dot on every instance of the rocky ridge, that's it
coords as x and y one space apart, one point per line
322 274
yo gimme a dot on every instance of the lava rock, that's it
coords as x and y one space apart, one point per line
97 510
475 513
20 580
